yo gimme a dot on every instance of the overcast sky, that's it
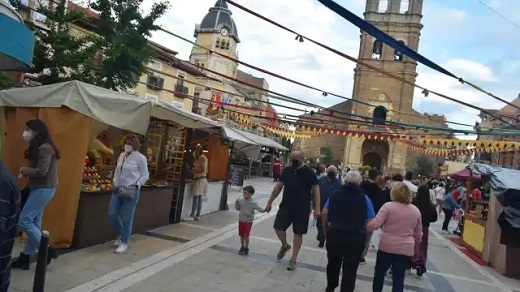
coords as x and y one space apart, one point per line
463 36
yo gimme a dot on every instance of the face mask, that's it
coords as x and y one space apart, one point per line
331 174
128 148
295 163
27 135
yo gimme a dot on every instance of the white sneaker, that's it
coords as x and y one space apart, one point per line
188 219
121 248
117 243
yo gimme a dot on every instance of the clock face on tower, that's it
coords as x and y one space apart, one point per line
224 31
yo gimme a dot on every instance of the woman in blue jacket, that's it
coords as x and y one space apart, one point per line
448 206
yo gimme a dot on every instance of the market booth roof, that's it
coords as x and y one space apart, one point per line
463 174
262 141
110 107
502 179
107 106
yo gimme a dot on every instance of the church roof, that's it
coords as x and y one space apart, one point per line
218 16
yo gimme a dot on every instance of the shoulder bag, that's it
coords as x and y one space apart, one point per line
126 192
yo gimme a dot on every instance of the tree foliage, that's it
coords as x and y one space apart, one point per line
326 155
6 81
58 55
123 33
423 165
114 56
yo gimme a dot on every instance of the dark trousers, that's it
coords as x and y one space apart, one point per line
319 226
344 250
447 218
399 264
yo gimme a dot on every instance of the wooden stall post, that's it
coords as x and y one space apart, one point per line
224 195
176 214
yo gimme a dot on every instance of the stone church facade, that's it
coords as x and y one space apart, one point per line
402 20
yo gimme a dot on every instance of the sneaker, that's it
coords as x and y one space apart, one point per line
291 266
283 251
188 219
241 251
409 271
321 244
117 243
197 218
246 252
362 262
121 248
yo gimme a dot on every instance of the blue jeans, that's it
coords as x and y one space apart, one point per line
399 263
121 212
31 217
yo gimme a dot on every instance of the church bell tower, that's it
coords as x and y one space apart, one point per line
400 19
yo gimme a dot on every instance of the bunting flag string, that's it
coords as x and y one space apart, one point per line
425 91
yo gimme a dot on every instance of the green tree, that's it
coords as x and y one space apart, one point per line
59 56
423 165
123 33
326 155
6 81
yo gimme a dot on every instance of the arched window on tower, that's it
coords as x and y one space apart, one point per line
227 45
377 50
405 5
383 6
218 43
398 55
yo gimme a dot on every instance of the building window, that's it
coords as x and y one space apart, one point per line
398 55
383 6
218 43
38 16
405 5
377 50
155 82
181 90
227 45
156 65
197 63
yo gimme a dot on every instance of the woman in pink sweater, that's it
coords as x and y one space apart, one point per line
400 238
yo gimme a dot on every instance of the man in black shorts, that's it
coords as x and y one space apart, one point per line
297 180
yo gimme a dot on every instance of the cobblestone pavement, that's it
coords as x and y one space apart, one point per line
202 256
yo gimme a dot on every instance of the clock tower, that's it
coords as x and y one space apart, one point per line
218 32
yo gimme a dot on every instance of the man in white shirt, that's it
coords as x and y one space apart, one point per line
439 196
408 182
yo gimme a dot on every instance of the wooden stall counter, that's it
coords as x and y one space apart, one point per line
474 233
93 225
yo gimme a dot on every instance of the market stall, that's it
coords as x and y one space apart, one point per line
88 124
498 248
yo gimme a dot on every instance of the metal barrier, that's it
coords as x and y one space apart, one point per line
41 264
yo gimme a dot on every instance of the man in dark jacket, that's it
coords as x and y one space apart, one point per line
9 212
345 217
375 194
328 184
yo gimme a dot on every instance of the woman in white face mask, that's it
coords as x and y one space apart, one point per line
42 175
131 173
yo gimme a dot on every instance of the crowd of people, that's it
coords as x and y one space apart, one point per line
354 212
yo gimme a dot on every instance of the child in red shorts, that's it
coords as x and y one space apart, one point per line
246 207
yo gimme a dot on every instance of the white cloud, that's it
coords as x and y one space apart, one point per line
470 70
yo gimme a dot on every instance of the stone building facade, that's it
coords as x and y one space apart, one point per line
402 20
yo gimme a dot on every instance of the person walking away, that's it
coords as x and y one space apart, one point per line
9 214
328 184
428 215
130 175
400 238
200 185
374 193
246 207
42 174
345 217
297 181
440 191
448 206
408 177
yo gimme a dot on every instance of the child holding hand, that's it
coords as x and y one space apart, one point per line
246 207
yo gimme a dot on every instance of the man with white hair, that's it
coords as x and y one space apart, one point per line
328 184
345 218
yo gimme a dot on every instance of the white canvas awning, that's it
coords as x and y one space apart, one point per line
107 106
165 111
262 141
110 107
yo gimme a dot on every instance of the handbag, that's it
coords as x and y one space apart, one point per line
126 192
